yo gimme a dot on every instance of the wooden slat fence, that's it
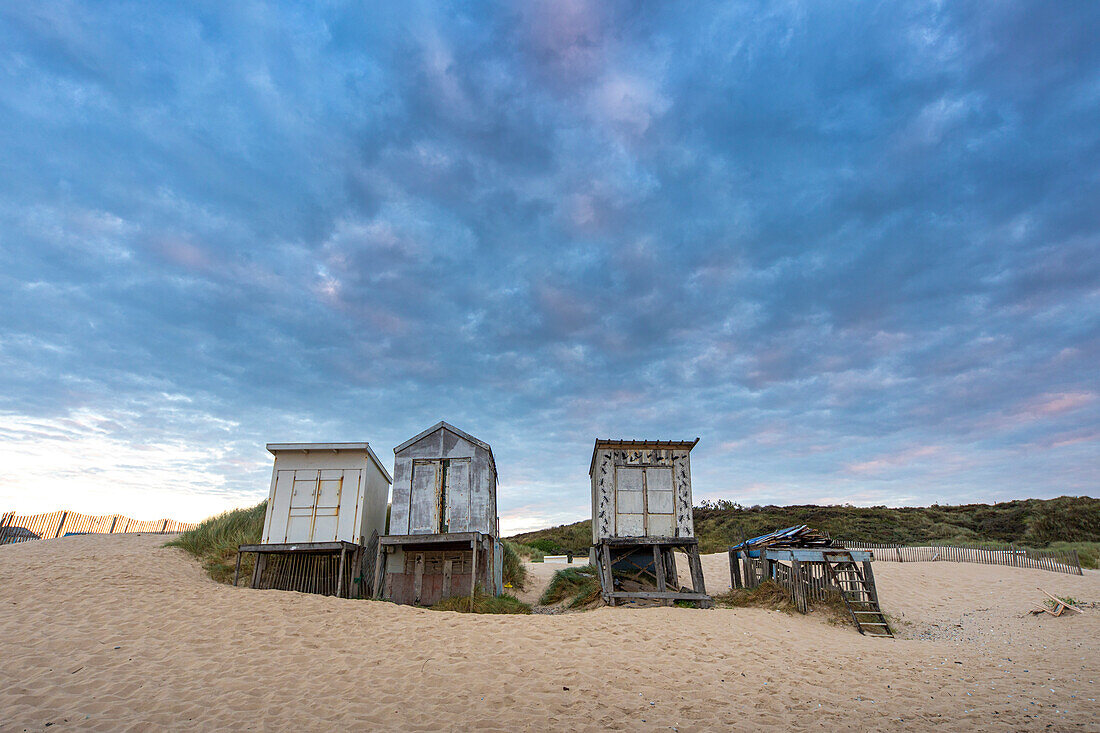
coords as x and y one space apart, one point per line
1057 561
815 581
25 527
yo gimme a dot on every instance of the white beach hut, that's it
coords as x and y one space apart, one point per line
325 511
325 492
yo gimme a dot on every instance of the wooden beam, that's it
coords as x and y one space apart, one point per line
869 577
418 578
297 547
237 570
463 538
340 574
379 571
671 595
696 568
659 568
605 549
735 569
448 568
473 571
667 541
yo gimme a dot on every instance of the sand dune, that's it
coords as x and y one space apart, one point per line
117 633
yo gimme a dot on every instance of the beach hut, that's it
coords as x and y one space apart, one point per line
641 516
326 503
443 535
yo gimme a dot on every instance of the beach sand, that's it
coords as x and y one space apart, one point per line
117 633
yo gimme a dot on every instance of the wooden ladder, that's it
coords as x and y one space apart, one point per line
859 596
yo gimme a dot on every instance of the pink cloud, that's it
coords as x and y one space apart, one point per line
892 460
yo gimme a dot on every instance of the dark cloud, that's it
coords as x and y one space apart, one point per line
854 247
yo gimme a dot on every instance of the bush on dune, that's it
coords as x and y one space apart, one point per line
579 584
513 570
214 542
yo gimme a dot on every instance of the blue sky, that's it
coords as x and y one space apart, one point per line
854 247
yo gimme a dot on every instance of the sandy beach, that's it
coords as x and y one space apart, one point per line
117 633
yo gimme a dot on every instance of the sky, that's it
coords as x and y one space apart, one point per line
854 247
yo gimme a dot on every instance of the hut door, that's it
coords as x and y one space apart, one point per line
658 502
456 495
424 502
643 502
303 499
629 502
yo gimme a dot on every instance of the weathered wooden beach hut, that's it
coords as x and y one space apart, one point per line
642 515
443 539
327 502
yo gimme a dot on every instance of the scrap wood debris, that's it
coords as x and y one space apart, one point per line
1057 607
798 536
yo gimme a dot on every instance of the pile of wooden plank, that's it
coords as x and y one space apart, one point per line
798 536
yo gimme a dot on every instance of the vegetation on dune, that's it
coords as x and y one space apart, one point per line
771 595
513 570
768 594
1088 552
483 603
1036 523
214 542
579 585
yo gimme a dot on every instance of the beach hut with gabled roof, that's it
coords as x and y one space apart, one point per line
641 515
443 538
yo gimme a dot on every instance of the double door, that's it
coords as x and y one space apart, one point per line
440 500
644 505
316 496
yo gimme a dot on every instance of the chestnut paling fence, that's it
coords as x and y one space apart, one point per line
25 527
1058 561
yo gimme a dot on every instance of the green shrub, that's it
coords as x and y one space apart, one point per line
483 603
214 542
527 552
580 584
513 569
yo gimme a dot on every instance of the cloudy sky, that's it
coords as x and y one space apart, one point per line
854 247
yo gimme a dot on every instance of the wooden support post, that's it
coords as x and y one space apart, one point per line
448 568
258 570
799 590
379 571
473 573
696 568
735 569
237 570
418 578
608 577
340 573
670 566
869 577
659 568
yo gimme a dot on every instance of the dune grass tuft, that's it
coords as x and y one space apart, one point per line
513 571
768 594
580 584
483 603
214 542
